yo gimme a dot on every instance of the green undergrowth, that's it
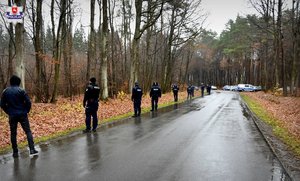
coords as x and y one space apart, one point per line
45 138
277 126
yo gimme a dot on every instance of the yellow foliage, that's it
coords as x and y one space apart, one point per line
122 95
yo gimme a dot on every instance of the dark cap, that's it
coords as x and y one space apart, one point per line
15 80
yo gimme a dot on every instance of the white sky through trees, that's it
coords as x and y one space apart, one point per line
221 11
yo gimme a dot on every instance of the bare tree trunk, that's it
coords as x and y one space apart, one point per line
296 49
187 68
20 67
127 37
11 47
280 52
181 72
135 45
104 77
113 59
70 46
67 50
91 67
57 45
2 81
156 5
54 52
168 66
41 87
150 60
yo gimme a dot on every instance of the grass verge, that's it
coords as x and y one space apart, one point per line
277 126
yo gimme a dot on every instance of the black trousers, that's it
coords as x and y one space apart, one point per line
137 107
175 96
189 96
202 92
13 123
154 103
88 114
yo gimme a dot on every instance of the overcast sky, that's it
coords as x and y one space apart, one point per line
221 11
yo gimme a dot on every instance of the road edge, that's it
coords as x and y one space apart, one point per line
286 157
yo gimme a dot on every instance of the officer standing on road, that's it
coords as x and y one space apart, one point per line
155 94
208 88
193 90
189 92
16 103
136 98
175 89
202 89
91 104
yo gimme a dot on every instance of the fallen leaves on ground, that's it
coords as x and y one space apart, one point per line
284 109
48 119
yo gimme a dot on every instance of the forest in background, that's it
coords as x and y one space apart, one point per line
146 41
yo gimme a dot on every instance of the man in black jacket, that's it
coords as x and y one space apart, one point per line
155 94
208 88
202 89
136 98
189 91
175 89
91 104
16 103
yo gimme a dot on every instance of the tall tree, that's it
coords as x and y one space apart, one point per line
57 40
104 46
19 39
2 57
11 47
280 62
296 47
156 8
126 33
265 9
272 13
113 86
91 63
68 48
41 84
183 18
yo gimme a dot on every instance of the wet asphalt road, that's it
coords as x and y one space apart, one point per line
209 138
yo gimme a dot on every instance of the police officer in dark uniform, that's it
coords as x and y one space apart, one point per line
136 98
91 104
208 89
175 90
155 94
189 92
202 89
16 103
